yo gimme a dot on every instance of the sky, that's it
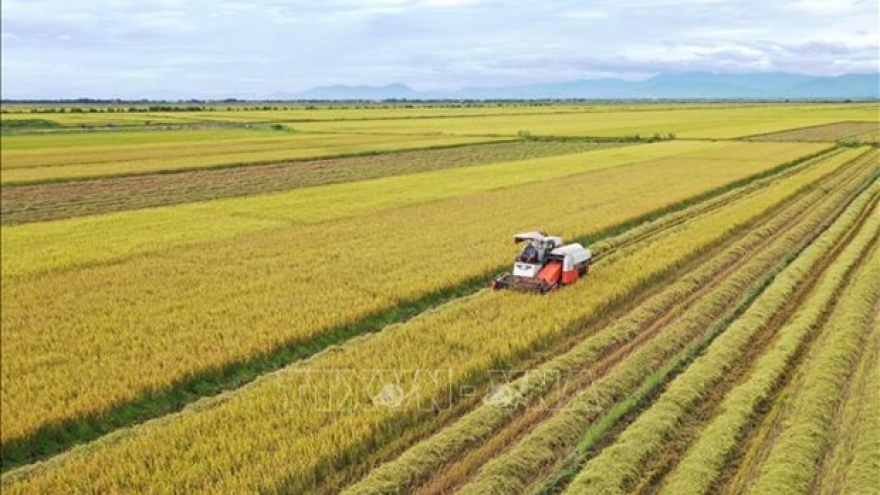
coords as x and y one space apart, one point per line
178 49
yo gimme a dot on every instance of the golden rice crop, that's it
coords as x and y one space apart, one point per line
182 310
621 463
276 434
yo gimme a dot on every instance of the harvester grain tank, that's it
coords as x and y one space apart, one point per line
545 264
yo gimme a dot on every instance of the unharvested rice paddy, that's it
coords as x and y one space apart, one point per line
295 300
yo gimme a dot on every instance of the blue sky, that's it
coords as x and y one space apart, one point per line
266 48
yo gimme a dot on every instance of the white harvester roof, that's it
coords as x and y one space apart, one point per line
536 236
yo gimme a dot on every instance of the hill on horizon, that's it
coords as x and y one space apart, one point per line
682 85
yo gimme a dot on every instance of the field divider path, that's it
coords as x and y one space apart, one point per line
55 438
523 465
390 478
620 467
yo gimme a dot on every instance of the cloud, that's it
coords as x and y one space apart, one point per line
261 48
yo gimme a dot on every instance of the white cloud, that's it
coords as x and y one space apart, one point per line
205 47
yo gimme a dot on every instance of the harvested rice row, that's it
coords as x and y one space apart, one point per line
618 465
791 465
853 466
704 461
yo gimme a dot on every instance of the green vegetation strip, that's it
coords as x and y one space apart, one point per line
617 466
55 438
54 201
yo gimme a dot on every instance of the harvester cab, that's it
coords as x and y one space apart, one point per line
545 264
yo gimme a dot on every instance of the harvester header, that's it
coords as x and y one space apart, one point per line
545 263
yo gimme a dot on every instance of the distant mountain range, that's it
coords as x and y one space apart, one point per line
684 85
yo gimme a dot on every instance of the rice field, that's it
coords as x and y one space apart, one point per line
223 310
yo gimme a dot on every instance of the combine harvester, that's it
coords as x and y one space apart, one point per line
545 264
